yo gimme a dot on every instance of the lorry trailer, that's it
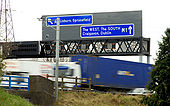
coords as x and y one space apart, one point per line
113 73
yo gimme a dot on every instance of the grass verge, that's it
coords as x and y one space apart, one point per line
97 99
7 99
70 98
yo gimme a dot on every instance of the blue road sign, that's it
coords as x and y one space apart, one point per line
70 20
118 30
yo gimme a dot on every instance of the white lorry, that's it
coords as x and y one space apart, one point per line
25 68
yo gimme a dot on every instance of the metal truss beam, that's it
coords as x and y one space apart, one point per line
96 47
100 47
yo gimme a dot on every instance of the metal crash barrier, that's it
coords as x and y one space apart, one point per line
15 82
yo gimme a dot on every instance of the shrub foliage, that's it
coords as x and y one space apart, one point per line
2 66
160 75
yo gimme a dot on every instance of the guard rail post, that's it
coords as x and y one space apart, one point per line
76 83
28 83
62 83
47 76
9 82
89 84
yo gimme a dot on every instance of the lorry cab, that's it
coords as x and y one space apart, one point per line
69 69
72 71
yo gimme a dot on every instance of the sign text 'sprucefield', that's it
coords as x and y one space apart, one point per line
70 20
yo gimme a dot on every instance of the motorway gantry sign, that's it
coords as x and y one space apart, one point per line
107 30
70 20
110 25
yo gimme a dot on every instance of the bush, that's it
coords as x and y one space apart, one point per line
160 75
2 66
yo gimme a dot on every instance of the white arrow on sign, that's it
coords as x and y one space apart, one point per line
130 29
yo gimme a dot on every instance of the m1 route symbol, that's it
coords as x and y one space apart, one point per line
114 30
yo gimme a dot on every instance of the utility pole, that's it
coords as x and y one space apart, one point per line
57 56
57 29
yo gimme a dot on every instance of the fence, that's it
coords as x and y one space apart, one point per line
15 82
73 83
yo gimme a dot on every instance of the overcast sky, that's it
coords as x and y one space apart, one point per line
156 17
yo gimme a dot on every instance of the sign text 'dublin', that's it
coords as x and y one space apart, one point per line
107 30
